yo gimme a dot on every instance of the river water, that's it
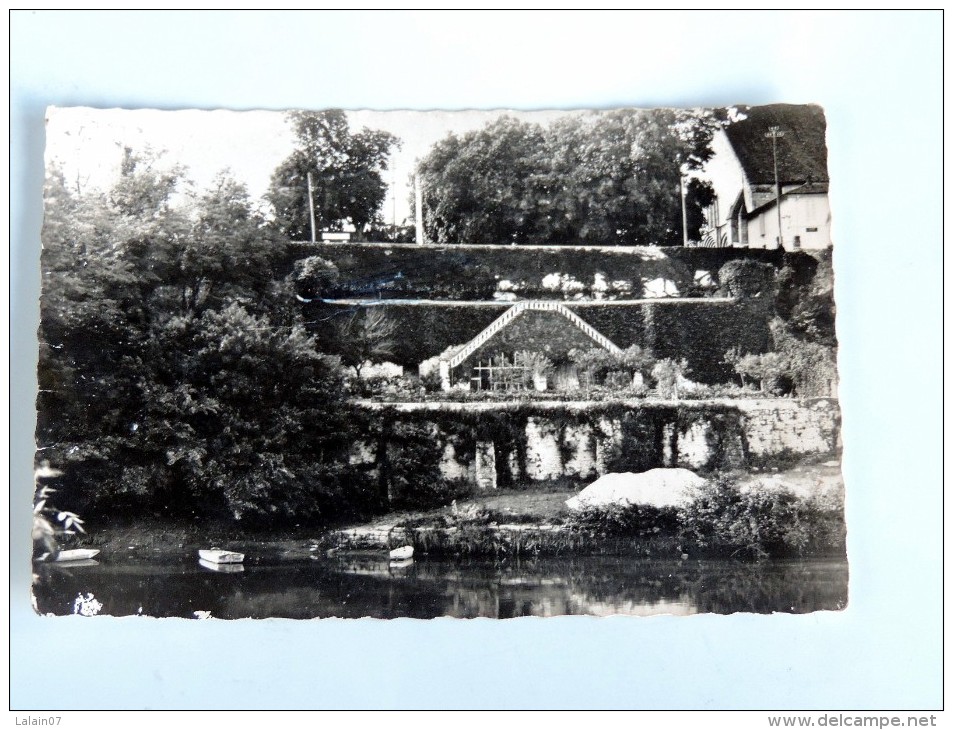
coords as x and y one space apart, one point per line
355 586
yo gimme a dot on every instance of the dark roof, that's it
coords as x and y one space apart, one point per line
806 189
802 151
811 188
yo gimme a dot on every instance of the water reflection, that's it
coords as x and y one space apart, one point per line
358 586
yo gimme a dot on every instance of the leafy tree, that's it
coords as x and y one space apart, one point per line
98 284
593 363
812 319
597 362
346 175
806 302
478 187
367 336
144 189
248 416
614 178
228 252
766 369
172 379
636 360
600 178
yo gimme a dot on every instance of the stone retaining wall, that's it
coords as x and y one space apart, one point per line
508 446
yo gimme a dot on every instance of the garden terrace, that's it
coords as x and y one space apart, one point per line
418 446
466 272
699 330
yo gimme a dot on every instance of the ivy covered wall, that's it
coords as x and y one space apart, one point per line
473 273
699 330
548 442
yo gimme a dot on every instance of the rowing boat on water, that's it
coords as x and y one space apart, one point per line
221 556
64 556
222 567
402 553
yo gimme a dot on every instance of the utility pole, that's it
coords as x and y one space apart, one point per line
774 133
419 210
311 207
681 195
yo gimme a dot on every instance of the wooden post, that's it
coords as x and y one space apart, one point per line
418 210
311 207
774 133
681 195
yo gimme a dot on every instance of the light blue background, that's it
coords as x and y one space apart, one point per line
878 76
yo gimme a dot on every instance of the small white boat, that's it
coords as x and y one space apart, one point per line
79 554
405 563
221 556
70 564
222 567
402 553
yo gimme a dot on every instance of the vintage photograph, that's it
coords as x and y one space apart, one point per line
461 364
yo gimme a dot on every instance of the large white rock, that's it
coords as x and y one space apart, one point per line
655 488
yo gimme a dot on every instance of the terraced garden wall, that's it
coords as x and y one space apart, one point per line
698 330
513 445
472 273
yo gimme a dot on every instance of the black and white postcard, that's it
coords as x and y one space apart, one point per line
438 364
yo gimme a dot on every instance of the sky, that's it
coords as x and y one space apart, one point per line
88 143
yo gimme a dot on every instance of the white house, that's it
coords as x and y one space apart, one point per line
742 174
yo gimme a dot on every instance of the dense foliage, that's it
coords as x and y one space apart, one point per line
800 358
174 376
745 278
602 178
699 331
599 365
720 520
760 523
345 168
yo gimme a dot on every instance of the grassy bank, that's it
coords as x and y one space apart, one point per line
718 524
796 512
741 516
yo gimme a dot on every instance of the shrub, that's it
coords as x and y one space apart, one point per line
618 520
432 382
536 362
766 369
313 276
702 391
758 523
617 380
745 278
411 471
810 366
667 374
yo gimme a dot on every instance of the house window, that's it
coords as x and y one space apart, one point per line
797 242
812 230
